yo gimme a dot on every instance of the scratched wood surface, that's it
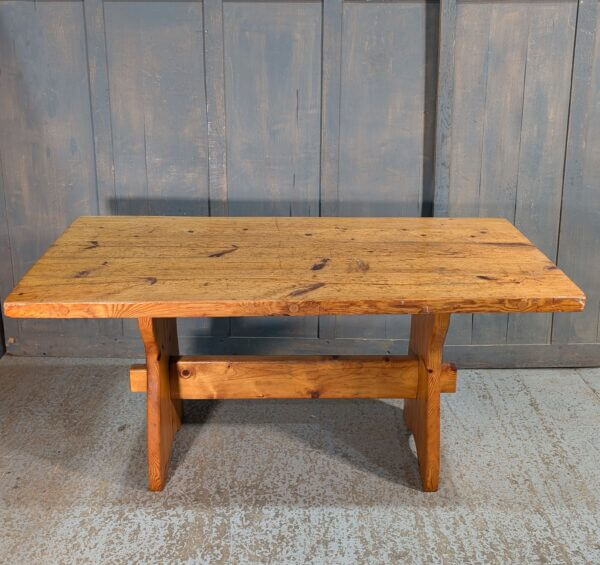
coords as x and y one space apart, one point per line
180 267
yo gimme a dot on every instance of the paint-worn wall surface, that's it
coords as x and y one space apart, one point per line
354 108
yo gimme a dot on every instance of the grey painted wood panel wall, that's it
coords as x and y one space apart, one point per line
347 108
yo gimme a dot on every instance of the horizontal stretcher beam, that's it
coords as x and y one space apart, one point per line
298 376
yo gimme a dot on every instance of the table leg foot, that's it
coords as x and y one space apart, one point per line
163 413
422 414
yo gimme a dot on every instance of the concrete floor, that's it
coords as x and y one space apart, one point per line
298 481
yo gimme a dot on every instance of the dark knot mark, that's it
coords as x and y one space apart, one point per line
550 268
81 274
487 278
151 280
93 244
306 289
224 252
308 234
314 393
318 266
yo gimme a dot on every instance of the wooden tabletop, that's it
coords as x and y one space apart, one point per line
126 267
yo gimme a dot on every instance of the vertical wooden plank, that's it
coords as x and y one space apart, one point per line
273 76
100 102
156 68
444 106
384 149
163 413
509 30
158 109
215 106
331 88
543 139
382 109
422 414
46 145
579 243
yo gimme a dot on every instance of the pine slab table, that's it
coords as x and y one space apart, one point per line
157 269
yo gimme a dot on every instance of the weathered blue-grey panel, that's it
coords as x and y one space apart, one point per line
273 121
158 105
46 144
579 245
386 142
95 32
444 105
215 105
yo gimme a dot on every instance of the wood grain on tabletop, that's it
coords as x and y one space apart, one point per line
133 266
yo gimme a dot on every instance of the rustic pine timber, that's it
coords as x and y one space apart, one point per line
422 414
130 267
163 412
288 376
159 268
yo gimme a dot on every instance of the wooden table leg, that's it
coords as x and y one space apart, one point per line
422 414
163 413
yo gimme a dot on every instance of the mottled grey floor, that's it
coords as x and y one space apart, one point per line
298 481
